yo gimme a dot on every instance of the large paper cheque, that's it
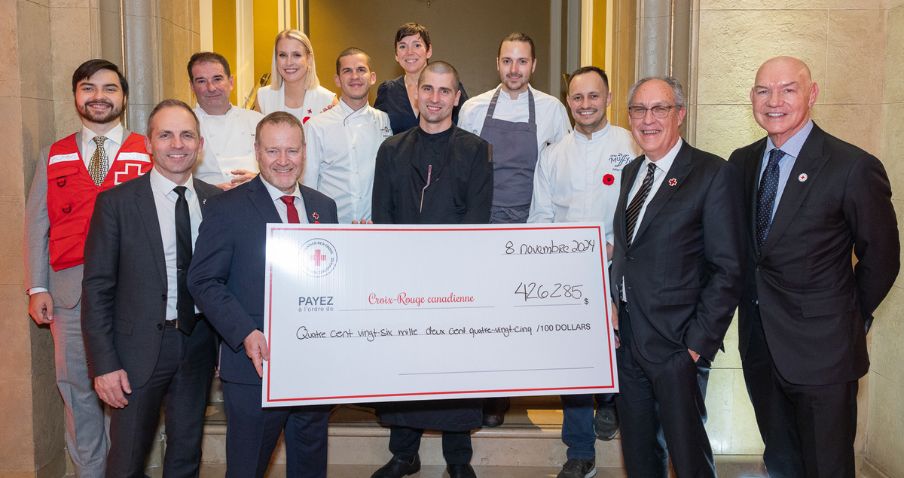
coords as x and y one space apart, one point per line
390 313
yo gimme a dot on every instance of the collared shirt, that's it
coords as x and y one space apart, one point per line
662 168
165 202
342 146
281 208
228 144
551 117
578 179
111 144
791 148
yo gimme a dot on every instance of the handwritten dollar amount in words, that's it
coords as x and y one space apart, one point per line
533 290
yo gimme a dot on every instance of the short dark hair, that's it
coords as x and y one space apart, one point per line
90 67
172 103
518 36
441 67
207 57
278 117
589 69
412 28
351 51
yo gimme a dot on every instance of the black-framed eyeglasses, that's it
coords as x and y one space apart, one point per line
659 111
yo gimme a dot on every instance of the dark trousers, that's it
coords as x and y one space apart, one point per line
661 410
180 383
808 430
252 432
404 443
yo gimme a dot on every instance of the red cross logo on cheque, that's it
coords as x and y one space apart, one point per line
318 257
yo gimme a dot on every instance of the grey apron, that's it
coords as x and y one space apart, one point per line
514 155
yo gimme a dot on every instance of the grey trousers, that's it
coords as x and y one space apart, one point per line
86 427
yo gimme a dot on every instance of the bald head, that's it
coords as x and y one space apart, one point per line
782 96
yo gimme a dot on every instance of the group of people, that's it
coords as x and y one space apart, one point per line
146 253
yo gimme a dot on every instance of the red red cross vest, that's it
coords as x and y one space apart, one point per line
71 193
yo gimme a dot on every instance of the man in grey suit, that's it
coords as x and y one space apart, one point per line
68 177
145 342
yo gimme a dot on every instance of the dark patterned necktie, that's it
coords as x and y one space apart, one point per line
765 196
633 211
185 305
99 164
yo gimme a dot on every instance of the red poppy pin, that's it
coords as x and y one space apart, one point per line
673 182
305 119
316 217
803 177
608 179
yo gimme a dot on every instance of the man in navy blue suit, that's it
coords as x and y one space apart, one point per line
226 280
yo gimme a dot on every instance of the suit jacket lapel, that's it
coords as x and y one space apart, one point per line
261 199
808 163
147 211
681 167
629 175
201 191
752 184
310 207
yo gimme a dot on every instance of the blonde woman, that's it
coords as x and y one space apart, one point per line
294 86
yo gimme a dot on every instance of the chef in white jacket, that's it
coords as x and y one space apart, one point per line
227 159
342 142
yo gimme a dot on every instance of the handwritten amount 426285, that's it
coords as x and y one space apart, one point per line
533 290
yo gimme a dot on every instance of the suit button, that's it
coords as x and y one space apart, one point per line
159 326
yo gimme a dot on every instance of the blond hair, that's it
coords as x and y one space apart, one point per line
310 78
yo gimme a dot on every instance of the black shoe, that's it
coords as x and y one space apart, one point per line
574 468
461 471
494 411
605 422
398 467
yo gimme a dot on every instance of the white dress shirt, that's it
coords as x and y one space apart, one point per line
228 144
551 117
578 179
281 208
111 144
165 202
342 149
662 168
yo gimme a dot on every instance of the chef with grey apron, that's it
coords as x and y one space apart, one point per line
514 156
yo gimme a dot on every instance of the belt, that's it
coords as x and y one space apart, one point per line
174 324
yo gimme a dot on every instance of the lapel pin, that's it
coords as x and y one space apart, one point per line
803 177
673 182
608 179
316 217
204 201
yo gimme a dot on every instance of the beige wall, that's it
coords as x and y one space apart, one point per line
861 101
885 426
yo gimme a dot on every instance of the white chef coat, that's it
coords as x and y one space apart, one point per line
578 179
342 149
552 119
228 144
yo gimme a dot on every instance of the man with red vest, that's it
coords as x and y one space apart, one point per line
68 177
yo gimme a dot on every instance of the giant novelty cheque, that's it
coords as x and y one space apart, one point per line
392 313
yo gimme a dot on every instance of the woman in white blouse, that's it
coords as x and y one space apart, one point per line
294 86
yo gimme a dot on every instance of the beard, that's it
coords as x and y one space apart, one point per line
112 114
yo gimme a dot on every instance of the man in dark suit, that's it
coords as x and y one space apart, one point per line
676 271
810 201
145 344
226 279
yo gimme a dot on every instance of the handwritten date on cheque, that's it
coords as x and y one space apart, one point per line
551 247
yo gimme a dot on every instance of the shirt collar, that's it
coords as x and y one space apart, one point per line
665 163
160 184
594 137
200 111
275 193
114 134
794 144
502 92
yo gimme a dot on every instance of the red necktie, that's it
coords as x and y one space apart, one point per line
291 212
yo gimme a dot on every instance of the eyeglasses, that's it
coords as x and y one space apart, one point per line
659 111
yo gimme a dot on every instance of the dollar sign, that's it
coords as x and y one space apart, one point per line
586 301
